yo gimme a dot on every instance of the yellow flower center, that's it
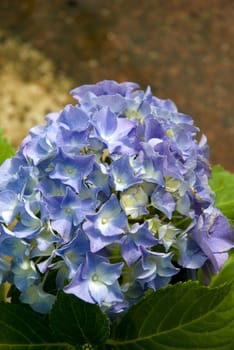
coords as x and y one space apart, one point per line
104 221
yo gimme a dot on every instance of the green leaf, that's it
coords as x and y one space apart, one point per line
183 316
6 150
77 322
45 346
222 183
22 328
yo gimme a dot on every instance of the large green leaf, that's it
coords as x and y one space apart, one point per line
45 346
77 322
22 328
6 150
222 183
184 316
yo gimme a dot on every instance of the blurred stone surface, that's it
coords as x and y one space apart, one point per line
29 88
183 49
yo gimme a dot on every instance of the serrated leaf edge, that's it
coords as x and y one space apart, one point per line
116 342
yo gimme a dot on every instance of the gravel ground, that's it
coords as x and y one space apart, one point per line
183 49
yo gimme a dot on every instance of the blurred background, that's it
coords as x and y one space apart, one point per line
183 49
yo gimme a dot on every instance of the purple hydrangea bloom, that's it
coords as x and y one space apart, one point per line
108 199
206 234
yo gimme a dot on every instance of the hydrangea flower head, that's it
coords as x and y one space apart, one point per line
108 199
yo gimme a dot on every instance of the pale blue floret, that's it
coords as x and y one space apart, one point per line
102 88
113 131
98 181
68 211
131 243
43 244
72 142
25 273
74 252
71 170
9 172
96 281
156 269
30 224
106 225
163 201
36 148
149 168
73 118
168 235
51 188
39 300
9 206
11 246
134 201
123 174
110 219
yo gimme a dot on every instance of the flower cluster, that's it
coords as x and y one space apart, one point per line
108 199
